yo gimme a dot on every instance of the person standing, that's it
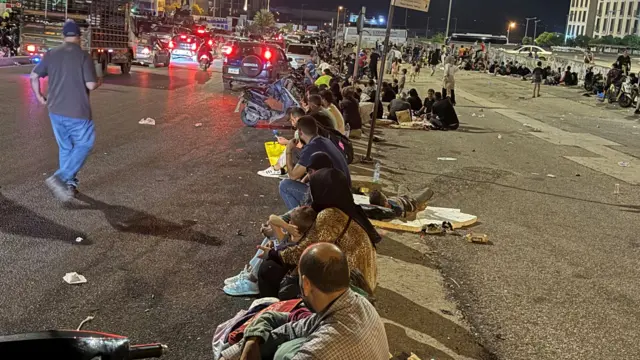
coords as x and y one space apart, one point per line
537 79
373 64
625 62
72 75
449 82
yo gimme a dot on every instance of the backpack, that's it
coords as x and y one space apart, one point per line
340 141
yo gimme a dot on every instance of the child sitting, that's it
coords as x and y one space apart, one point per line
284 234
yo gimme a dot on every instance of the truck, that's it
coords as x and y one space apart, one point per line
107 31
373 36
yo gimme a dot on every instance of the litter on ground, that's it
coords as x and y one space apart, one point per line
73 278
198 125
447 159
551 175
429 216
147 121
623 163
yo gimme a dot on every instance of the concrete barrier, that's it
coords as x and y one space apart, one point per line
13 61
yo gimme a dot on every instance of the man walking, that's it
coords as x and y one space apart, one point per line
72 75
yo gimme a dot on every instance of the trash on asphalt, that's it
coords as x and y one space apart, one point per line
86 320
447 159
446 312
616 189
79 239
74 278
623 163
474 114
551 175
451 218
477 238
147 121
499 136
437 228
198 125
481 115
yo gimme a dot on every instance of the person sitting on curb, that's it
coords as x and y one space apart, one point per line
329 105
293 189
344 324
278 169
322 115
284 234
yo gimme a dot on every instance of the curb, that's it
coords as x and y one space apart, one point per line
16 60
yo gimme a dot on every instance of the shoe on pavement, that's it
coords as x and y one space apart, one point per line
59 188
243 275
241 288
271 172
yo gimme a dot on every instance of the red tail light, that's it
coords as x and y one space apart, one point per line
171 45
267 54
183 36
227 50
210 42
200 31
31 48
193 46
189 40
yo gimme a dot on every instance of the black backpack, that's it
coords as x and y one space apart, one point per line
342 142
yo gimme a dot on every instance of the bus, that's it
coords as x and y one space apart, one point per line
457 38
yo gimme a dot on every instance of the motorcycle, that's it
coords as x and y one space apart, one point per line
593 82
254 98
205 57
75 345
628 93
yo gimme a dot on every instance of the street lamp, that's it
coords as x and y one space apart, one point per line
509 27
338 21
535 30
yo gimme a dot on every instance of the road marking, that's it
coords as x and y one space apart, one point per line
609 158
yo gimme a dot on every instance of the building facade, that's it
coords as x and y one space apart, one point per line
582 17
598 18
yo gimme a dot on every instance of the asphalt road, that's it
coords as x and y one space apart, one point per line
560 280
162 209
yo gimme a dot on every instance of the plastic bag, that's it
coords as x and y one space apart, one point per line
274 150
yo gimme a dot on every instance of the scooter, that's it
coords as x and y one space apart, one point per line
205 57
628 93
75 345
254 98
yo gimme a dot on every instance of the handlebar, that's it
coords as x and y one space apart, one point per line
147 351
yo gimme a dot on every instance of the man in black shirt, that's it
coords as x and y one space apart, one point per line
625 62
373 64
427 106
444 115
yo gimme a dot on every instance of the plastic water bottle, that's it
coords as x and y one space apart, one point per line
376 172
347 130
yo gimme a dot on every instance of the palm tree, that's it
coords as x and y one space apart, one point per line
264 21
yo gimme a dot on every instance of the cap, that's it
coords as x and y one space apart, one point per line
70 29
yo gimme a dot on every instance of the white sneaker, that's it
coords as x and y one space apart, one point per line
270 172
241 288
243 275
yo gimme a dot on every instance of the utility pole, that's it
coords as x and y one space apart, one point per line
406 11
535 30
359 26
455 26
301 13
526 28
427 33
446 33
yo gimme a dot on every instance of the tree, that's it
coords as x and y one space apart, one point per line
438 38
550 39
527 40
264 21
196 10
287 28
631 41
582 41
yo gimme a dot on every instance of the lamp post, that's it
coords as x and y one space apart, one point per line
509 27
338 22
455 26
526 28
535 30
301 13
446 33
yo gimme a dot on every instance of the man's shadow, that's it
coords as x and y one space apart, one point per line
19 220
129 220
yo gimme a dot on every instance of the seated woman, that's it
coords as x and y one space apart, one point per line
414 100
387 92
339 221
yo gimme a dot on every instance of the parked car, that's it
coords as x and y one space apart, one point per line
185 47
526 49
152 51
298 54
250 62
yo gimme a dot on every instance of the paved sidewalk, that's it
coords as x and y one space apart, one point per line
540 174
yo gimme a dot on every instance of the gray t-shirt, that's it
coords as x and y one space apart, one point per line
68 68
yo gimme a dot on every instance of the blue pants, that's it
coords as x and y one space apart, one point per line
75 139
293 192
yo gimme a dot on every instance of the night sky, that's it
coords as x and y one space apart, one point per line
481 16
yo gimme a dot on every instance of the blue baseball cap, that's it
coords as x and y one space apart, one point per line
70 29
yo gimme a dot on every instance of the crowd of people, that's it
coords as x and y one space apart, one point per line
323 249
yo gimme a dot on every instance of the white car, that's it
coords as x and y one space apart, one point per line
526 49
298 54
293 38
